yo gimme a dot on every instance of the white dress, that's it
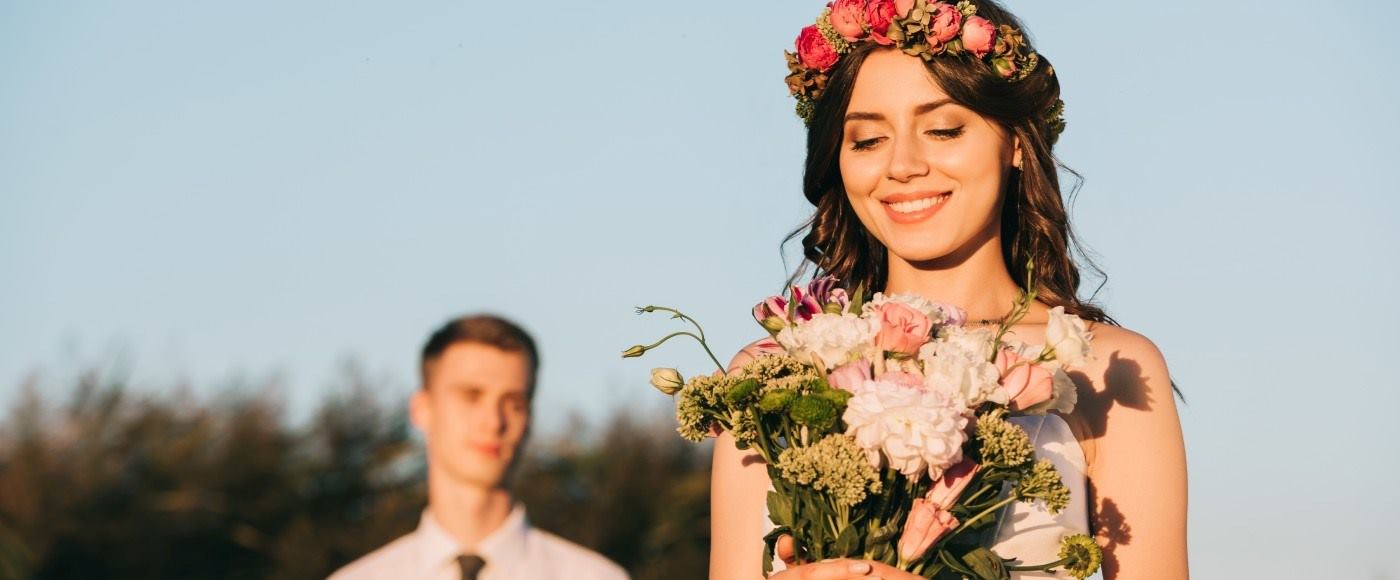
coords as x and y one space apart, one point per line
1030 533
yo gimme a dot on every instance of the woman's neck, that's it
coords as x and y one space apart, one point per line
976 280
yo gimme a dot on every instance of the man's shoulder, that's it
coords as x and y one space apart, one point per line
391 560
582 562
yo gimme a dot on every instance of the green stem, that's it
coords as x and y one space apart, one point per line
681 315
1040 568
973 520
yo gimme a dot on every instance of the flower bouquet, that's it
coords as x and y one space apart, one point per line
884 426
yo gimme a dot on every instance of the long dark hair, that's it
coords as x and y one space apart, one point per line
1034 222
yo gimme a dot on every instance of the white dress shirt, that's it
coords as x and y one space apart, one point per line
515 551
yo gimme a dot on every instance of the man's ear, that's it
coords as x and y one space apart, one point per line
420 410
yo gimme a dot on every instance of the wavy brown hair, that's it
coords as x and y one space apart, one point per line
1034 223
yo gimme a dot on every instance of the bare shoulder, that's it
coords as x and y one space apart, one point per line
753 350
1124 389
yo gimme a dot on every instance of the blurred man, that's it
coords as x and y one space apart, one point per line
478 378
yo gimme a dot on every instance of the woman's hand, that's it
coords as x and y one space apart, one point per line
842 569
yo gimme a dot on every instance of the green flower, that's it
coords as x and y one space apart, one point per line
1004 444
776 401
1043 483
741 391
835 465
700 403
1082 554
770 367
814 412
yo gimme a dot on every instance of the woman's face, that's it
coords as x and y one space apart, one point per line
923 173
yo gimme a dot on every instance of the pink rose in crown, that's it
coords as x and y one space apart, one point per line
814 51
848 19
902 328
946 489
1026 384
944 24
924 525
879 13
902 7
850 376
979 36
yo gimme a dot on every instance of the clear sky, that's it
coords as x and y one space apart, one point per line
210 191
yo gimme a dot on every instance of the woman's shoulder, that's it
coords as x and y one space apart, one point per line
1113 343
753 350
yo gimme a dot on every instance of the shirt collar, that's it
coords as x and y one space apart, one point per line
501 549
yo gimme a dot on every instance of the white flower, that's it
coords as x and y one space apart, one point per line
668 381
1065 396
1068 336
915 431
957 364
833 339
939 314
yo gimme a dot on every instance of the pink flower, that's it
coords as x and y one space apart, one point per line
902 7
850 376
944 24
814 51
902 328
848 18
946 490
1026 384
879 13
903 379
979 36
815 298
925 524
771 313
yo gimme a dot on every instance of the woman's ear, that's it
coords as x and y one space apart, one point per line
1016 152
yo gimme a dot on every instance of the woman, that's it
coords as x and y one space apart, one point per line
930 128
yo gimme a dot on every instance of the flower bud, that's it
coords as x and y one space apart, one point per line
773 324
667 380
635 351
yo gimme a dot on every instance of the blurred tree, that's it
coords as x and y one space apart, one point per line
116 485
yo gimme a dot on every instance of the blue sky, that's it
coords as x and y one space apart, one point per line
218 193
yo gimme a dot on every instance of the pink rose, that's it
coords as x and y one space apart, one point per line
814 51
946 490
850 376
979 36
925 524
944 24
902 7
902 328
880 13
903 379
1026 384
848 18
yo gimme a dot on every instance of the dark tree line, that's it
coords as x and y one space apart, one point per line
106 482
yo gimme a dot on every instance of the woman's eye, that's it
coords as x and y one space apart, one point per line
945 133
864 144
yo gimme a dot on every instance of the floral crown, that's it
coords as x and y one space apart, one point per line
922 28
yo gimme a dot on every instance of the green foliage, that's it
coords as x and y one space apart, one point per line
115 484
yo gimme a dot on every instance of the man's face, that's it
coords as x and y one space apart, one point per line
474 412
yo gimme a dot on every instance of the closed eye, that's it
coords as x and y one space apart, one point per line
866 144
953 133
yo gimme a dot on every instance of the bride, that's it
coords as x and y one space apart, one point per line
929 161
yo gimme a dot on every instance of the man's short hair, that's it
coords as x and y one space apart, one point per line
486 329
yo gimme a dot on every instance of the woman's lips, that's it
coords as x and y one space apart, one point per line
914 208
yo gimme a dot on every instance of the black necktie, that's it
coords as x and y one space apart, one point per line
471 566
